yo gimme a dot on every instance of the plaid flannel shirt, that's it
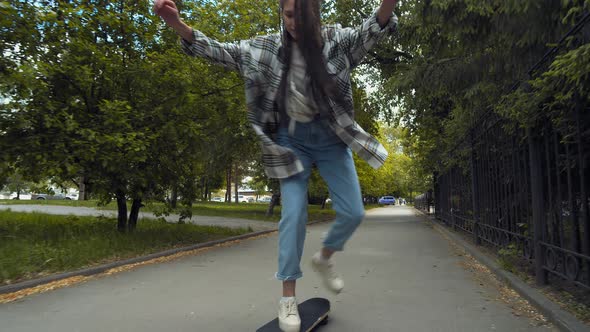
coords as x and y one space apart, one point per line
259 61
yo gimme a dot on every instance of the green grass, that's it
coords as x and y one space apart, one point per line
34 244
254 211
91 204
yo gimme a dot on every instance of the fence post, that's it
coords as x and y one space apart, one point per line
474 195
437 195
535 153
584 214
451 206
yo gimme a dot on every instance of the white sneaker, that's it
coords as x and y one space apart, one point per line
289 320
325 269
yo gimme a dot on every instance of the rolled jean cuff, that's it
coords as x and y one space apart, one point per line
288 278
333 247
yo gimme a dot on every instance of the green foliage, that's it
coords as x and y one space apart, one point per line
16 183
577 304
464 58
101 90
317 188
508 257
402 174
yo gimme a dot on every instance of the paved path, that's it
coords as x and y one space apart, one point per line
400 275
256 225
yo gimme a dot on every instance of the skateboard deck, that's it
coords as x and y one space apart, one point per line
313 312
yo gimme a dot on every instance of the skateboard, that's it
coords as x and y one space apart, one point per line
313 312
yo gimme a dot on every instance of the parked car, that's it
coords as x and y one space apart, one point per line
9 195
387 200
217 199
52 197
22 196
265 199
243 199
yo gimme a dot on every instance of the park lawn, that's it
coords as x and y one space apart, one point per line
253 211
34 245
65 202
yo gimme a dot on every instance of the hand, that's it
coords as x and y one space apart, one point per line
385 11
168 11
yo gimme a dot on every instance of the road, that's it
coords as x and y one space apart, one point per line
400 275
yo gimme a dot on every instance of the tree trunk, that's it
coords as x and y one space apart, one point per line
174 197
82 189
134 214
121 211
274 201
228 186
236 182
202 186
324 202
207 196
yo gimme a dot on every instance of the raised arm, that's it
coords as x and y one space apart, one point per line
358 41
194 42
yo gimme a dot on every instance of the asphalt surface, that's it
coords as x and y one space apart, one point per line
400 275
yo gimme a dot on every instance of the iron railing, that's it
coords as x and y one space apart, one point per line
425 202
527 189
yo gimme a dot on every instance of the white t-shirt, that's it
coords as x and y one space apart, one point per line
300 104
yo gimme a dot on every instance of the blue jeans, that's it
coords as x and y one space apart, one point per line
315 142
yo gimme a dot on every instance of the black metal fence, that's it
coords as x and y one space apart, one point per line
425 202
524 189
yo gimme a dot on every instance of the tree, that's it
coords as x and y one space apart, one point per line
401 175
457 59
102 92
317 189
16 183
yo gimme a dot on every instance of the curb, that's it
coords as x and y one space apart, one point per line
562 319
102 268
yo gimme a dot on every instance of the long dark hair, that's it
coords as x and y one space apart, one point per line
309 39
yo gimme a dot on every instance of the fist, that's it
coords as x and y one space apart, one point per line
167 10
